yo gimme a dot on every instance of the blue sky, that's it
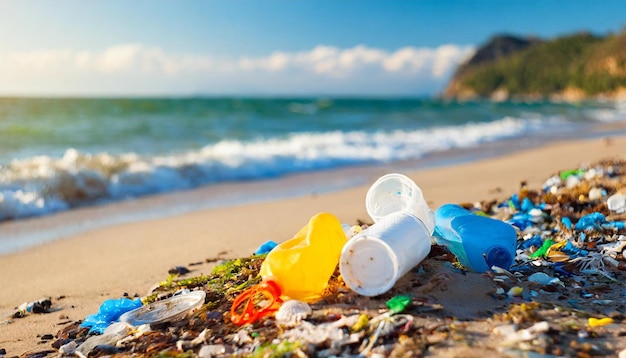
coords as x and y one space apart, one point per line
271 47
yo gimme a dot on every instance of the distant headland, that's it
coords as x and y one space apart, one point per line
574 67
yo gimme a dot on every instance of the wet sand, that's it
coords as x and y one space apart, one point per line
81 270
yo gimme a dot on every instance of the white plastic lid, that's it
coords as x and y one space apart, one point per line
166 310
368 265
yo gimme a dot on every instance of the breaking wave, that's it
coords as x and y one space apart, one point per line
43 184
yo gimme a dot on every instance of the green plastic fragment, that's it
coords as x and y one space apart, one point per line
566 173
543 249
398 303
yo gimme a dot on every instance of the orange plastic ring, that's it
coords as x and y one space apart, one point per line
250 314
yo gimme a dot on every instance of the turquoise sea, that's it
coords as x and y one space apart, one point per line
61 153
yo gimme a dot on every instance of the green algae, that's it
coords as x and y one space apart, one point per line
276 350
226 279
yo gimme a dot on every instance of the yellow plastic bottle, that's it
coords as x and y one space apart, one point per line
303 264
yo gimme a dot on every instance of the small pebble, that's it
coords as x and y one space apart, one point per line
68 349
179 270
572 181
212 350
47 337
595 194
293 311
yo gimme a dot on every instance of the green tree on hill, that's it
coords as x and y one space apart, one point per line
583 61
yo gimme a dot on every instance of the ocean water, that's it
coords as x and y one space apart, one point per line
57 154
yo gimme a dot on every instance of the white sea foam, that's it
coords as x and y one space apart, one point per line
43 184
609 115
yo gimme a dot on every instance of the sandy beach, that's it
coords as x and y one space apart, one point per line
80 271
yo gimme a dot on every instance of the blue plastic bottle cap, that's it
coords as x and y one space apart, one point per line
498 256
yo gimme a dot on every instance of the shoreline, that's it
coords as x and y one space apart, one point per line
79 177
24 233
107 262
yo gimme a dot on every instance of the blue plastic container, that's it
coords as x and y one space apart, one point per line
478 242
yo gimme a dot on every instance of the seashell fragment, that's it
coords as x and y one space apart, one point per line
293 312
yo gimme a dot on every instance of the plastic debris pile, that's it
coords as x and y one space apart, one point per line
564 295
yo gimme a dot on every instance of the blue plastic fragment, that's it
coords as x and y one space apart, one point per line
109 312
574 303
566 222
527 205
559 268
266 247
590 222
572 250
597 221
520 220
514 202
535 241
614 225
521 268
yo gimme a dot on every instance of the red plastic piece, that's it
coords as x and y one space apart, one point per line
257 301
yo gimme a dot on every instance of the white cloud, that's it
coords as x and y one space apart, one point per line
137 69
445 57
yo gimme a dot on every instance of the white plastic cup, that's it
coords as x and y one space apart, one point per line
395 192
374 259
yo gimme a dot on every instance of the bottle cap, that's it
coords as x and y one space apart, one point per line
368 265
498 256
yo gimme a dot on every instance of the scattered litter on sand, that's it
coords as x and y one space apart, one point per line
564 294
